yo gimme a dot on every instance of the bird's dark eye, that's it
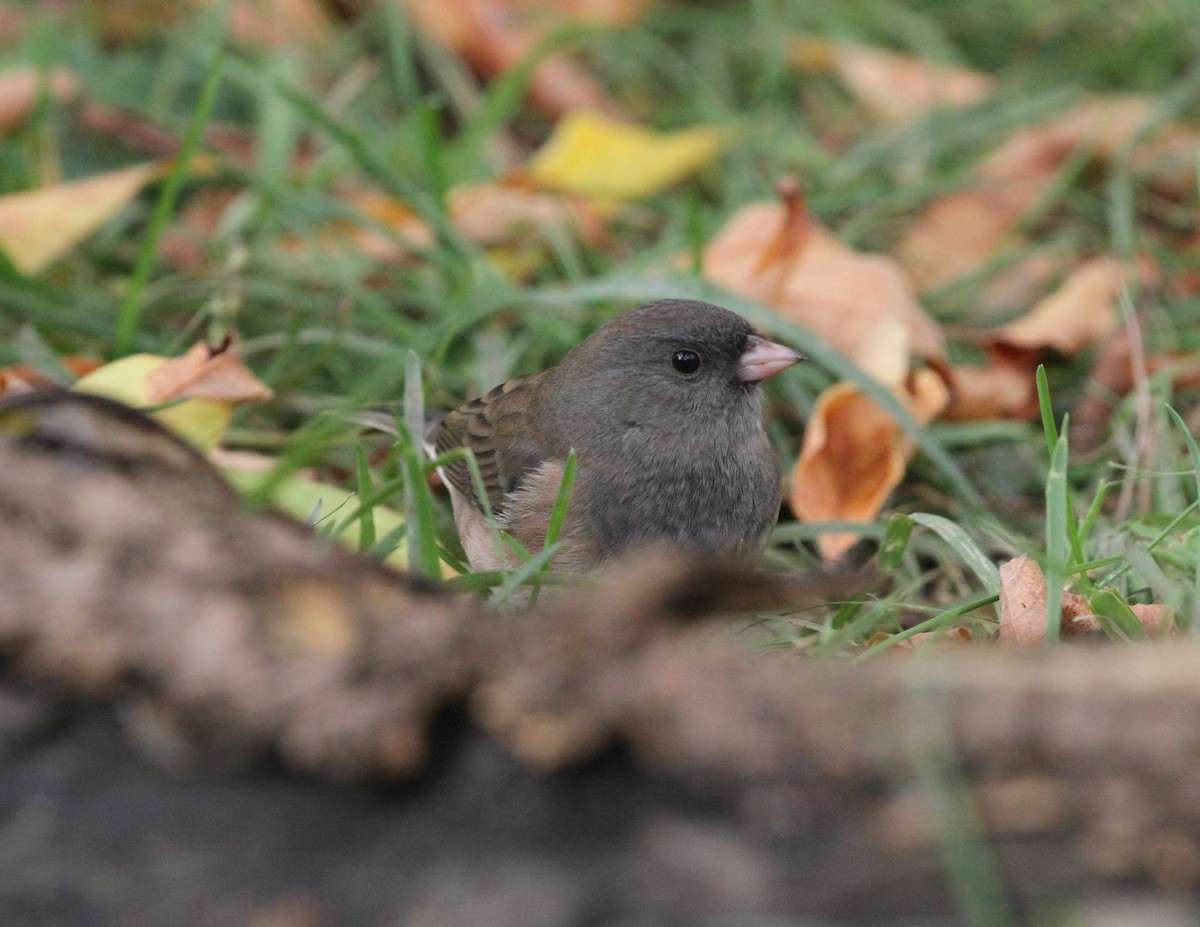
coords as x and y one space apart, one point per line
685 361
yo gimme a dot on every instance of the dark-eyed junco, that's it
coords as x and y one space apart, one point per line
663 408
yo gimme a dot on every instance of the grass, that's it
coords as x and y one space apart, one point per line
383 106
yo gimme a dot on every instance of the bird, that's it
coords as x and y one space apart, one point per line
663 409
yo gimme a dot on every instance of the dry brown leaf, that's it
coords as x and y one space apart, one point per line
12 23
1023 594
493 36
854 455
960 232
1078 617
1022 602
951 637
39 226
256 23
895 87
1003 390
19 89
1081 312
276 23
489 213
497 212
206 373
778 254
1021 283
600 12
1102 125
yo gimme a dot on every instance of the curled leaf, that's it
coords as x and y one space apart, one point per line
855 454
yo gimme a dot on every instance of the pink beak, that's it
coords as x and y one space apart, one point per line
763 359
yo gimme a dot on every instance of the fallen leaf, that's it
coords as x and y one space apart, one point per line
12 24
1077 315
492 37
205 373
589 154
1020 284
302 496
778 254
934 639
854 454
496 212
409 233
19 90
275 23
1079 619
23 377
1003 390
210 383
254 23
960 232
1023 594
895 87
1022 602
37 227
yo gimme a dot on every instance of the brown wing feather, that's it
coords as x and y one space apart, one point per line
496 419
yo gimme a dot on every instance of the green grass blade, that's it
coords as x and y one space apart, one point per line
1106 604
1058 547
130 312
366 519
1049 428
418 499
960 542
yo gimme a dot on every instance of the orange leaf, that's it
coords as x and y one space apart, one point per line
895 87
855 454
39 226
19 92
778 254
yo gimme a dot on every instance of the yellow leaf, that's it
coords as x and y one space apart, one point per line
37 227
300 497
209 385
593 155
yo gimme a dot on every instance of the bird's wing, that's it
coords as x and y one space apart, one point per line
505 438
